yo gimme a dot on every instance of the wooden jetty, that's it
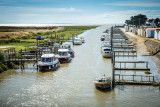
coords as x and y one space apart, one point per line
134 67
134 79
123 48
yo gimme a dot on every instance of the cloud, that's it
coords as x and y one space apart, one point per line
136 4
38 9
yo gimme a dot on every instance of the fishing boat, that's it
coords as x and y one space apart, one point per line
48 62
103 82
68 46
64 55
77 41
82 39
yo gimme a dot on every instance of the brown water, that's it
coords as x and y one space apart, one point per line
72 84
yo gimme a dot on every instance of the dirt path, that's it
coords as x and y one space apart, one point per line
142 49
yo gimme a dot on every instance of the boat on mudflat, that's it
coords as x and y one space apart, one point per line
103 82
48 62
64 55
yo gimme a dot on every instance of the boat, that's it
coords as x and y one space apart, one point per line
103 82
68 46
106 52
102 37
64 55
48 62
77 41
82 39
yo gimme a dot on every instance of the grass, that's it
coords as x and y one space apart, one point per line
26 41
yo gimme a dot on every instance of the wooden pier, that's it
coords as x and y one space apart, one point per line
134 79
123 48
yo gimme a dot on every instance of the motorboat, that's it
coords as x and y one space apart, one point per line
103 82
77 41
82 39
106 52
64 55
102 37
68 46
48 62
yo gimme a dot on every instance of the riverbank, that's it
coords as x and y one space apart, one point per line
142 48
24 37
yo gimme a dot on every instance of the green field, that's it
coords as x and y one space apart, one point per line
26 41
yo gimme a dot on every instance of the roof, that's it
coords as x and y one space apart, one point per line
47 55
152 28
63 50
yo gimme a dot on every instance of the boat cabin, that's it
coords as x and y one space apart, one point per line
47 58
63 52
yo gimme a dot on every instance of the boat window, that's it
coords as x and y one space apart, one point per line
43 59
48 59
107 50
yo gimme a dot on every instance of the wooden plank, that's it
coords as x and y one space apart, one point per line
146 69
133 82
126 55
131 62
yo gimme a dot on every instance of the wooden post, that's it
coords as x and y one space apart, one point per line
119 78
120 64
133 77
146 64
141 77
113 58
149 78
153 78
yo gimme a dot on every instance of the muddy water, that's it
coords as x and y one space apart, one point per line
72 84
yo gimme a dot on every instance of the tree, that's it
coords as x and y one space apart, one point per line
138 20
127 22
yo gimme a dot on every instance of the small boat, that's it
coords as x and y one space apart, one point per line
103 82
64 55
77 41
106 52
48 62
102 37
68 46
82 39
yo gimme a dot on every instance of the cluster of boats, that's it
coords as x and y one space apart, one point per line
106 46
65 55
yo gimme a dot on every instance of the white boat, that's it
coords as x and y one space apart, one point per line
64 55
68 46
106 52
77 41
48 62
103 82
82 39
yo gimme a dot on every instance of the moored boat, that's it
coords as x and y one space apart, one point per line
64 55
48 62
82 39
103 82
77 41
106 52
68 46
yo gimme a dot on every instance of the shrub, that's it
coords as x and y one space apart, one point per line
4 67
1 70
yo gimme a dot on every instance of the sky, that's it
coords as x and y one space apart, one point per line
75 11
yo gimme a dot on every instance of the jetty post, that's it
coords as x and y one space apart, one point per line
113 58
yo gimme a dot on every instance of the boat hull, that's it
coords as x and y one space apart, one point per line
49 67
107 55
63 60
103 85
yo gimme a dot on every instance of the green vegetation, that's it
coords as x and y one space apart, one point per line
26 41
3 64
